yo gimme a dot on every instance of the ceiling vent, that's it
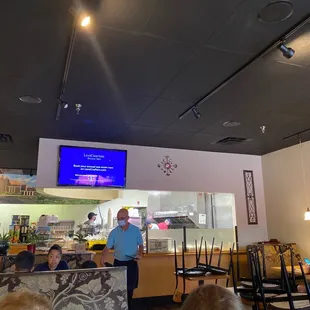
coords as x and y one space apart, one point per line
4 138
232 141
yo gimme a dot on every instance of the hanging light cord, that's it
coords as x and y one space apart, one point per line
303 170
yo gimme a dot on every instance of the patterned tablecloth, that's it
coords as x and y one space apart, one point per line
91 289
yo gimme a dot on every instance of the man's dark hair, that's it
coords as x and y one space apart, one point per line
91 215
24 261
89 264
55 247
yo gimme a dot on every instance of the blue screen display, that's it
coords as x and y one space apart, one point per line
80 166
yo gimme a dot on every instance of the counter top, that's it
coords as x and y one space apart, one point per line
44 253
178 253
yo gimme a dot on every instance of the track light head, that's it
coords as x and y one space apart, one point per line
286 51
62 103
196 112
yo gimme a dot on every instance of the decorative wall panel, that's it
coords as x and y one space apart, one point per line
250 197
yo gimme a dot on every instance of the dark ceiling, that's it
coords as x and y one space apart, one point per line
143 64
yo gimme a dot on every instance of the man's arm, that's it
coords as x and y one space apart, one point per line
106 249
140 245
140 251
104 255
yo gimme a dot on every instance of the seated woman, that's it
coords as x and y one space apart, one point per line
89 264
54 261
24 262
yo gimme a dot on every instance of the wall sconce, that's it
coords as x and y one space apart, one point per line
307 215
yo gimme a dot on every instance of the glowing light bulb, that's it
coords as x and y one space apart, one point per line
307 215
85 21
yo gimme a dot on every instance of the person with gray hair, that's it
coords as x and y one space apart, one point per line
24 300
212 297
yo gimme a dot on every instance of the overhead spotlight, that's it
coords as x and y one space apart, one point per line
286 51
196 112
85 22
63 104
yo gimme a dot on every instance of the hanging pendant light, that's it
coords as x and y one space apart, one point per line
307 213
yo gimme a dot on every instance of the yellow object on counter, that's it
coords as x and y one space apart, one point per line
15 248
91 243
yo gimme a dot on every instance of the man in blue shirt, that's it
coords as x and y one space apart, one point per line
127 242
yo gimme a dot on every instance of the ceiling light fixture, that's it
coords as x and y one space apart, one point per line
249 63
262 129
30 99
85 21
231 124
196 112
78 108
62 104
287 52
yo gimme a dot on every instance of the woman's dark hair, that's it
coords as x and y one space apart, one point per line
89 264
24 261
55 247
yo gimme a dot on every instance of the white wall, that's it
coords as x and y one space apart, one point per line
128 198
196 172
285 195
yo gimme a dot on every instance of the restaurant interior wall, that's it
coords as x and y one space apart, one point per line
194 171
285 195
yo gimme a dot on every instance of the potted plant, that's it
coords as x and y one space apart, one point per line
4 243
32 240
80 238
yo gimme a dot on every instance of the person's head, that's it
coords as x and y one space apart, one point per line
54 256
92 216
25 300
24 261
167 222
89 264
122 217
212 297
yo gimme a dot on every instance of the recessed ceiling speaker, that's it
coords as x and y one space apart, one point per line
231 124
276 12
30 99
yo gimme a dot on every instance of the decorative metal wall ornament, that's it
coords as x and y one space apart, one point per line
167 166
250 197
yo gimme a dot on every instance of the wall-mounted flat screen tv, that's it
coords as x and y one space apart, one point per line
82 166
